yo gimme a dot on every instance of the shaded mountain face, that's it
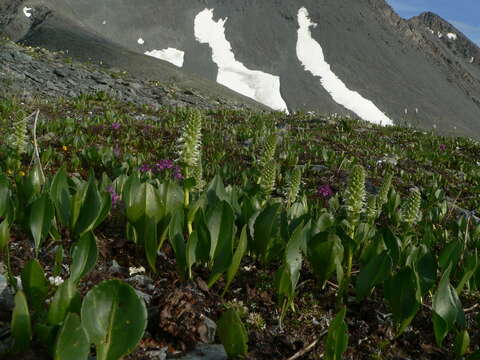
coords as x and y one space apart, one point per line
352 57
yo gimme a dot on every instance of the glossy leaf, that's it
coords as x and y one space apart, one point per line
462 343
447 309
232 334
40 221
224 230
91 209
265 229
34 283
84 257
21 326
402 294
63 301
374 273
115 319
61 197
237 258
337 338
150 241
325 253
72 342
4 234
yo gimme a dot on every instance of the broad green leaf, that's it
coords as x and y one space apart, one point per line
203 235
323 223
426 269
84 256
325 252
237 257
446 307
232 334
21 325
41 216
192 244
62 302
4 234
469 269
115 319
32 184
224 229
4 195
402 293
216 191
265 229
150 241
72 342
374 273
177 241
293 255
34 284
171 195
450 254
337 339
61 197
462 343
90 209
154 208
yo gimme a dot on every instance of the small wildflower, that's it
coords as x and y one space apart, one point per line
116 126
164 165
56 281
9 172
325 191
442 147
21 173
65 148
256 320
177 173
134 270
116 198
145 168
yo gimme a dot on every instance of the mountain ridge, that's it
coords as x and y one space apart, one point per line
395 62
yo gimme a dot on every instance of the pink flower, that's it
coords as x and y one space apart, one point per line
325 191
443 147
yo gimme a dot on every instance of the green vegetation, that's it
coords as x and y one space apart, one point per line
370 212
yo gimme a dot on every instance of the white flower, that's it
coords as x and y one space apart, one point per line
56 281
133 270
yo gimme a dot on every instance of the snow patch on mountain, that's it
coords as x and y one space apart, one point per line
27 11
260 86
310 54
452 36
172 55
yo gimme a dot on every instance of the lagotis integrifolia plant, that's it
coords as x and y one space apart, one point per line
371 211
190 148
19 137
294 186
267 181
198 175
383 192
410 211
268 165
269 149
355 194
191 142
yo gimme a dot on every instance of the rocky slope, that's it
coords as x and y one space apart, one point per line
394 63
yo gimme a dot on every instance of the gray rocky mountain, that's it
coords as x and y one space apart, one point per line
422 70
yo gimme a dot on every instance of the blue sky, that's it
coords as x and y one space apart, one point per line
463 14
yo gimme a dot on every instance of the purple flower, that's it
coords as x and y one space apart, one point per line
164 165
116 198
177 173
116 126
442 147
325 191
116 151
145 168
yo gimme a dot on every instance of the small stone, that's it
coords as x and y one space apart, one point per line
207 330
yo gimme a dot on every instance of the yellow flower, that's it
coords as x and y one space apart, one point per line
21 173
65 148
9 172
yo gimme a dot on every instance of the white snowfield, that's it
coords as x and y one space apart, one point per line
260 86
172 55
27 11
452 36
311 56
